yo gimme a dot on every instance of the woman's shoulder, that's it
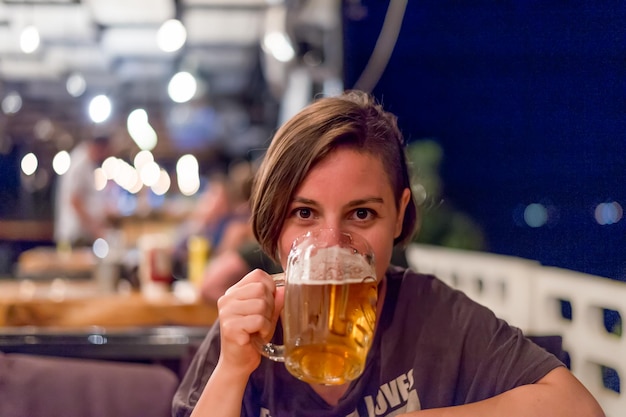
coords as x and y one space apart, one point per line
431 291
409 280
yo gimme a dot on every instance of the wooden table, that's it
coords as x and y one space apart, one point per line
73 305
47 262
73 318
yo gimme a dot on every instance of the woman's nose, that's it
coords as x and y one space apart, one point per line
331 222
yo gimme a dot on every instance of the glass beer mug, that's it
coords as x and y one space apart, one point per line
329 314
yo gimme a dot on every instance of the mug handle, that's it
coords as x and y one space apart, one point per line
271 350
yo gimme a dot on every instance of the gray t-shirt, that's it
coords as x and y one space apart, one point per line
433 347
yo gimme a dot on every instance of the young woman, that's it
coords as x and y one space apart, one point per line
340 164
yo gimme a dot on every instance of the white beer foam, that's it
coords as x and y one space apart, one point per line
333 265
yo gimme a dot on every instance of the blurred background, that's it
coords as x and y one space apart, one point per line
514 111
146 119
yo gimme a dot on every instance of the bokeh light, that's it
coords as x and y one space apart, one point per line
43 129
127 177
140 129
150 173
110 167
76 84
171 35
187 174
279 45
11 103
61 162
142 158
99 108
182 87
29 163
29 39
608 213
535 215
100 248
163 184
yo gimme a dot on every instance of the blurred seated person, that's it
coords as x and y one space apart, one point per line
81 210
222 213
227 268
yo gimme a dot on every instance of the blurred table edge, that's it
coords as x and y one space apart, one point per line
47 262
171 346
27 230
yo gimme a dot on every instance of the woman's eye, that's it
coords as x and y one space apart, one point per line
363 214
304 213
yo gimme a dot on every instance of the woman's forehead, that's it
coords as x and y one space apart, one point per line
346 167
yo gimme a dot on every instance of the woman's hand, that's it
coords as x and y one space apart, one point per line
249 308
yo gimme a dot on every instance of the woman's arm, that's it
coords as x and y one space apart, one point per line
222 395
246 309
558 394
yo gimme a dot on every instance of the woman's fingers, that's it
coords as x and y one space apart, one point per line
247 308
240 330
255 284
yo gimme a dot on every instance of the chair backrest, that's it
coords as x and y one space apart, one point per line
501 283
545 301
67 387
597 353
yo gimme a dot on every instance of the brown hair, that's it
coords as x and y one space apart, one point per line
353 119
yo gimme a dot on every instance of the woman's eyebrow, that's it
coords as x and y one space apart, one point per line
370 200
359 202
302 200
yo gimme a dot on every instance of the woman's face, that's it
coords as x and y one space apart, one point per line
351 192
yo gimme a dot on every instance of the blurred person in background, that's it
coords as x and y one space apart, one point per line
233 228
230 266
81 210
221 215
